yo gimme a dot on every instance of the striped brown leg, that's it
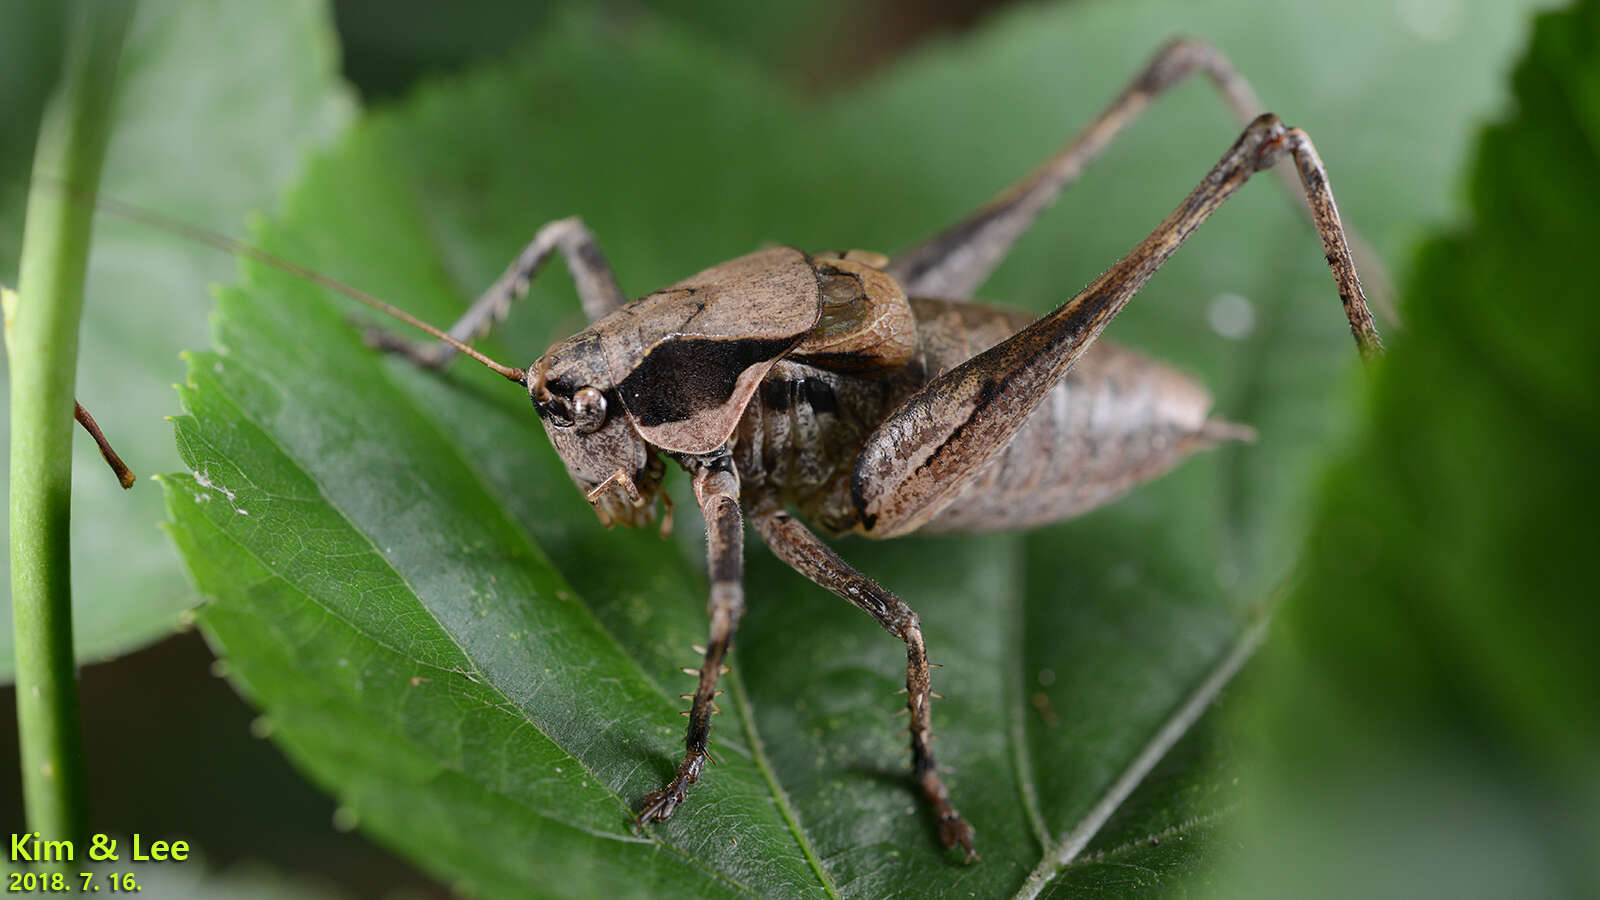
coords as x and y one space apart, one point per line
793 543
718 493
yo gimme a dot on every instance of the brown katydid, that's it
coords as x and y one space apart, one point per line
871 395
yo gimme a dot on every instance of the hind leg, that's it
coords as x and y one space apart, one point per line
954 262
929 449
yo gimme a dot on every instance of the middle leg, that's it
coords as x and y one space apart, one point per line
794 543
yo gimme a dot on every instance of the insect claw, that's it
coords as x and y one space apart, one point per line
936 694
685 696
698 648
688 670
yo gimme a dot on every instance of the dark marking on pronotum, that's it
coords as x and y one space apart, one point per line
699 307
684 376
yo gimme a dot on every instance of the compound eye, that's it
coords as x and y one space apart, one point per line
589 409
557 411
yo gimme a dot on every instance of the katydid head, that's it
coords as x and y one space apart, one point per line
670 373
571 389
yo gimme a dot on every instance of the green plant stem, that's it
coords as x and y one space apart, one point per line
42 340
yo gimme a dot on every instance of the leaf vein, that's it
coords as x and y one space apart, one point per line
758 752
1016 733
1072 844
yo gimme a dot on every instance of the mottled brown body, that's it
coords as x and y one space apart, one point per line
1117 419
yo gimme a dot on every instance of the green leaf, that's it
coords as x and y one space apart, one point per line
1431 711
442 635
207 149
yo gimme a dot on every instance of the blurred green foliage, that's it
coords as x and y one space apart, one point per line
1428 718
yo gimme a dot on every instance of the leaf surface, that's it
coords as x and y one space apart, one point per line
1431 707
444 637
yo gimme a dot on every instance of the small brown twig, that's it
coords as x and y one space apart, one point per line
124 474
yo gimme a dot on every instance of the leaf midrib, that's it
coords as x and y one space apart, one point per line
1017 728
1057 858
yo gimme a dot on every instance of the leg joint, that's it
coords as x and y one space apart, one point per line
1175 61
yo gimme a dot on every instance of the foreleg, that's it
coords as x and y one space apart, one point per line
597 288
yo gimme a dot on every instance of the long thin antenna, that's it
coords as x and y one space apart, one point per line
230 245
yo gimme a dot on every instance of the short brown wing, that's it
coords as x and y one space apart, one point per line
686 359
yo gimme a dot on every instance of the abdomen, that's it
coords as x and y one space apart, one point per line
1116 420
